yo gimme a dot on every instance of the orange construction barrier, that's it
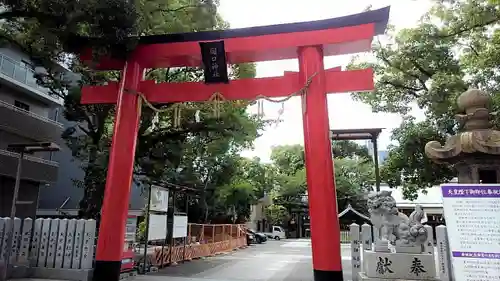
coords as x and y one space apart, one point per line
203 240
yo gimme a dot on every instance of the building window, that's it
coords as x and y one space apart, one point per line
21 105
56 114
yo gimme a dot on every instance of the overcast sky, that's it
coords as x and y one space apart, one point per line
344 113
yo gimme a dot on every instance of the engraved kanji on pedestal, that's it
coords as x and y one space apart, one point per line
61 239
88 244
366 235
44 240
51 248
15 241
68 247
4 225
355 249
35 242
24 248
49 243
77 248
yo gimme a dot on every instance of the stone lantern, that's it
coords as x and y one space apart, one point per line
475 150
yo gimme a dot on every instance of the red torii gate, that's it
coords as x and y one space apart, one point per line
309 41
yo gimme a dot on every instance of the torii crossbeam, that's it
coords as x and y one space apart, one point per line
309 41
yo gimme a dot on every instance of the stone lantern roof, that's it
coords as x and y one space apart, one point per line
476 136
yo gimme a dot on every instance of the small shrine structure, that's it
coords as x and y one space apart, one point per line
361 134
350 215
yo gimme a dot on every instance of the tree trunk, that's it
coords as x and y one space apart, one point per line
93 195
94 185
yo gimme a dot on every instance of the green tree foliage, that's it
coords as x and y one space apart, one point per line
454 47
55 26
260 175
288 159
276 214
249 181
344 148
198 153
290 190
407 165
235 199
291 186
111 26
354 174
354 178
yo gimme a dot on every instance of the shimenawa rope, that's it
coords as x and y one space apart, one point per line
218 98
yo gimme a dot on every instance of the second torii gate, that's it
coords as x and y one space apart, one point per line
309 41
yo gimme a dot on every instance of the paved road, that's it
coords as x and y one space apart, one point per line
288 260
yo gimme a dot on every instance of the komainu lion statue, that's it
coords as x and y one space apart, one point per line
394 226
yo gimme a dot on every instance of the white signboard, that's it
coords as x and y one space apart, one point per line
180 226
159 199
472 213
131 229
157 227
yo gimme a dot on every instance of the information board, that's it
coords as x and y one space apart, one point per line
180 226
158 199
472 214
157 227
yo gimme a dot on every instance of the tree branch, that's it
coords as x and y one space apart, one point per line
412 91
469 28
176 9
168 10
421 69
385 59
84 130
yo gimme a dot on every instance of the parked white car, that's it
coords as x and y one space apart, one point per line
277 233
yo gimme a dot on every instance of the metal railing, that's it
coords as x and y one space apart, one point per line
13 69
29 157
29 113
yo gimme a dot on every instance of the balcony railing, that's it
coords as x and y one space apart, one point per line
25 75
29 113
28 157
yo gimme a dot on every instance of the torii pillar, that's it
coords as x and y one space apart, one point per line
307 41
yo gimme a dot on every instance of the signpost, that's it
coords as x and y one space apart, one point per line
128 250
156 224
131 229
214 62
472 214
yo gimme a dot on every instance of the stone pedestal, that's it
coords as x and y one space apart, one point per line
397 266
362 277
408 249
382 246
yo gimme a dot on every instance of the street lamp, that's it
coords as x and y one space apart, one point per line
21 149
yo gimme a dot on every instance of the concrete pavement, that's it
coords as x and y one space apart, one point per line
272 261
288 260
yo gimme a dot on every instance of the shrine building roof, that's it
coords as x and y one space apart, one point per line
355 134
356 212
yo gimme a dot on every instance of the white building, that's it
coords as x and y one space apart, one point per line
257 219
